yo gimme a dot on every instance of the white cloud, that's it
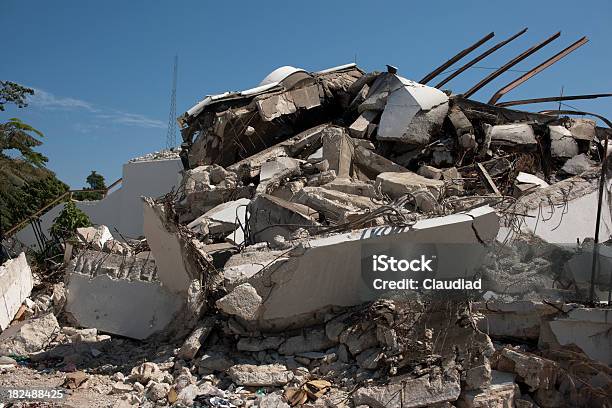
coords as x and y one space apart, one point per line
47 100
101 116
132 119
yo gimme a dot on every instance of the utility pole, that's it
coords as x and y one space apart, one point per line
171 133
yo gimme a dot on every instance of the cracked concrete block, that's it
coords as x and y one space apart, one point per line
587 328
578 196
222 219
533 371
349 186
288 102
501 393
334 205
306 97
259 344
243 301
430 172
127 307
271 375
372 164
94 236
360 127
577 165
407 392
520 319
582 129
312 340
276 166
459 121
338 151
562 143
520 134
270 216
169 249
29 336
15 286
396 185
412 111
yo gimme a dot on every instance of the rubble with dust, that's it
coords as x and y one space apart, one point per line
247 288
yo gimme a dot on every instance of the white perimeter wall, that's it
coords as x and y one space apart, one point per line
121 209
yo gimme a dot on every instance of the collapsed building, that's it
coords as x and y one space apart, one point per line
255 264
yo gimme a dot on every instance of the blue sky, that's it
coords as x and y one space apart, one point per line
103 69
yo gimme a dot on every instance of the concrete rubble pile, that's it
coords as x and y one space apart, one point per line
247 287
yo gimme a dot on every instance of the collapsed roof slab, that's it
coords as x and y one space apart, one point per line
324 273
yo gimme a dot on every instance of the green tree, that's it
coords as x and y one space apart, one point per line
96 182
66 223
25 184
11 92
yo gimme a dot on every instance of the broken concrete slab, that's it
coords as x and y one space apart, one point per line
372 164
501 393
336 260
582 129
577 165
430 172
276 166
333 205
459 121
587 328
526 178
270 216
562 142
578 196
412 111
520 134
287 103
361 127
396 185
312 340
223 219
15 286
406 392
174 268
519 319
348 186
29 336
95 237
338 151
243 301
118 295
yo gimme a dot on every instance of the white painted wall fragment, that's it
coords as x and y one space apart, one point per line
122 208
15 285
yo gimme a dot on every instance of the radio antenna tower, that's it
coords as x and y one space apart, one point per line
172 125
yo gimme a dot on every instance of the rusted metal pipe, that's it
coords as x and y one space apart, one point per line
552 99
510 64
602 182
456 58
534 71
480 57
